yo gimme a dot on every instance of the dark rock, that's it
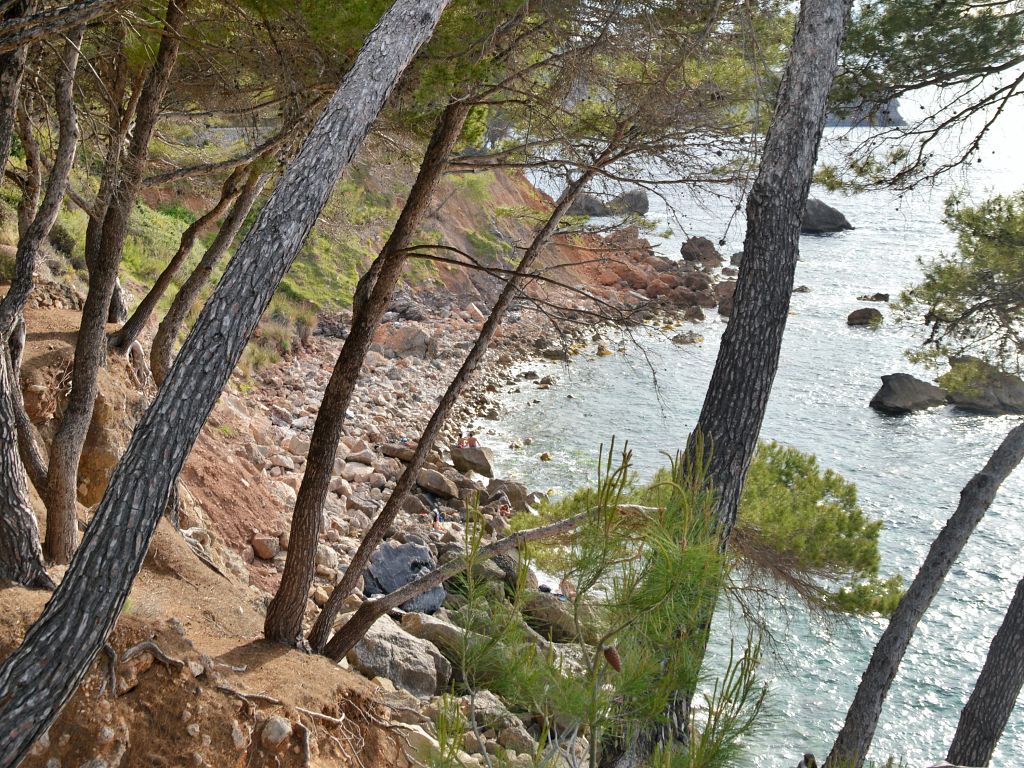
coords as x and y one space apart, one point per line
474 459
588 205
865 316
736 258
902 393
688 337
883 297
630 201
802 289
820 218
394 565
552 616
701 250
988 390
725 291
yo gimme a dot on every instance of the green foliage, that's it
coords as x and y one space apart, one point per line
179 211
487 247
894 46
973 298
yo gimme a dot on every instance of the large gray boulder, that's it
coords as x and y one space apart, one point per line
552 616
394 565
415 665
408 340
988 390
475 459
902 393
820 218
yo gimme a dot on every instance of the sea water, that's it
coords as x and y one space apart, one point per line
909 470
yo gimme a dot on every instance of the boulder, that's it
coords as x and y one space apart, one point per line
409 340
987 389
902 393
882 297
433 481
443 635
588 205
509 563
865 316
725 291
412 664
354 472
701 250
275 733
474 459
393 565
516 493
820 218
266 547
630 201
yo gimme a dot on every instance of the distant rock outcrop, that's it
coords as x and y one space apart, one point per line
870 115
983 388
902 393
588 205
820 218
630 201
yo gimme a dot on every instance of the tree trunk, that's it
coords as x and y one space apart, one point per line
130 331
988 709
16 33
748 357
90 347
184 299
21 558
318 637
284 616
33 178
38 228
854 740
39 678
12 68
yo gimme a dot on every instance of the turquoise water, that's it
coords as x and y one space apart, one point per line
909 470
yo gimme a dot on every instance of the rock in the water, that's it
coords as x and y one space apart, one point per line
688 337
702 250
725 291
983 388
439 485
588 205
902 393
802 289
276 733
394 565
883 297
474 459
820 218
410 663
630 201
865 316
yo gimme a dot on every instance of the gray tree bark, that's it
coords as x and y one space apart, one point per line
854 740
284 616
90 347
185 298
39 678
318 638
12 68
995 694
19 31
21 558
